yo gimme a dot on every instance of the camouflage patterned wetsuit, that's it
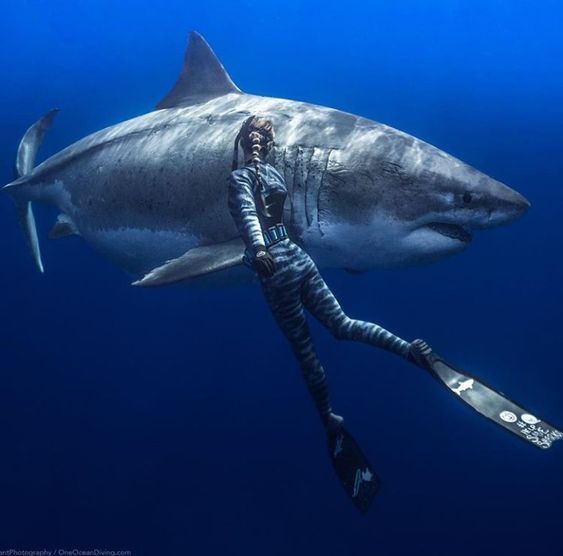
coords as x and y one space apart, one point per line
296 283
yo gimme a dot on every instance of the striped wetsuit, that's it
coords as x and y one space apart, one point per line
297 284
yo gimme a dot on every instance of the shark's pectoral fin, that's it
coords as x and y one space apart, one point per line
196 262
203 77
63 227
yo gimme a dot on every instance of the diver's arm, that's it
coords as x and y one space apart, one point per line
243 210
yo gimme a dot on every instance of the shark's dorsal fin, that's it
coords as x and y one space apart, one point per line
203 77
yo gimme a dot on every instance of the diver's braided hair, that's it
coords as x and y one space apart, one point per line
256 139
256 134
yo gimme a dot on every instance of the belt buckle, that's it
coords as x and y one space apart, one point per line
274 233
267 239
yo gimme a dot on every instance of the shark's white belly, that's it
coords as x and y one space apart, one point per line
139 250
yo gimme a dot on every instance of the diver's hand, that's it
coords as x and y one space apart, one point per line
264 263
420 353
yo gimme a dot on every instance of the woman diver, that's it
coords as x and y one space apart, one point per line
291 282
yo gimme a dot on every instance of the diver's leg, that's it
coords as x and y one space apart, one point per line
322 304
354 471
282 292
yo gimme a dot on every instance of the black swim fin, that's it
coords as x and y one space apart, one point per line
353 469
488 402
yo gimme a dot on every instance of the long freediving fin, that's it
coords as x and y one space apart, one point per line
196 262
490 403
354 471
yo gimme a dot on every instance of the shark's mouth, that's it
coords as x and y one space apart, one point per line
451 230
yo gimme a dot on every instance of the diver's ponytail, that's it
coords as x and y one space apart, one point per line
242 131
256 140
256 134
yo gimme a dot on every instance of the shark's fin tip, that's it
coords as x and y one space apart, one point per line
203 77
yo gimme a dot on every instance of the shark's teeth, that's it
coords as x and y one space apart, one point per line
451 230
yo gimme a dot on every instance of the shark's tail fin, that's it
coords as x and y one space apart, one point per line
25 160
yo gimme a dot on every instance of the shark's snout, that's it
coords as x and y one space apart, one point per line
515 203
501 204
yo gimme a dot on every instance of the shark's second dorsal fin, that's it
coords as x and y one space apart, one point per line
203 77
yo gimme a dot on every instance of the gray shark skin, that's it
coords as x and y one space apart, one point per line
362 195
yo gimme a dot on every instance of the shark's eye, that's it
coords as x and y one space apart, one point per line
467 197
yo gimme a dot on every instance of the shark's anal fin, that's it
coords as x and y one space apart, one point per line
203 77
196 262
63 227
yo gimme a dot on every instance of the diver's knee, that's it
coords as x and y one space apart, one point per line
340 328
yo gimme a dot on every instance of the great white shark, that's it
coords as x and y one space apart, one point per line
150 193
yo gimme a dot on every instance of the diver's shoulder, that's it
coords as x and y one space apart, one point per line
248 171
271 168
241 173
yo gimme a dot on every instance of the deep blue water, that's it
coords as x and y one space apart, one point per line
175 421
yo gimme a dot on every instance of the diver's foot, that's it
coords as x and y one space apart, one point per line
420 353
332 423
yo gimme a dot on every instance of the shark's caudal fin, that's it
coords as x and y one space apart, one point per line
26 221
31 141
25 160
203 77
